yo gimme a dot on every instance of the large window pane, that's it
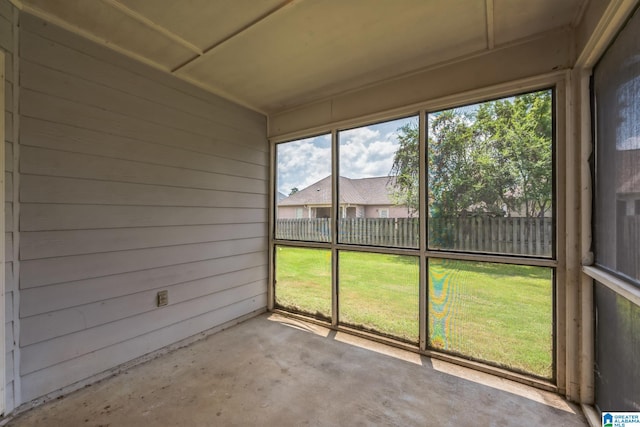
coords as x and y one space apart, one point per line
379 197
303 280
617 348
497 313
490 177
617 201
303 189
379 293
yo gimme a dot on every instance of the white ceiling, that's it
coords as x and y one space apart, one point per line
272 55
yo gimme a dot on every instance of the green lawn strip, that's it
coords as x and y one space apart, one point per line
380 292
501 313
303 280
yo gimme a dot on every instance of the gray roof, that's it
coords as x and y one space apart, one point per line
362 191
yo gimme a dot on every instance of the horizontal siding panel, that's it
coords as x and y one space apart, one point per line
6 10
131 181
62 322
9 283
40 133
8 126
8 306
46 107
40 161
8 187
76 242
35 217
85 92
104 54
9 368
75 63
8 157
70 294
73 370
57 270
8 246
44 354
8 67
6 33
8 96
8 335
8 216
41 189
10 396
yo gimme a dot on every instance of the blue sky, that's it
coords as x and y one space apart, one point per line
366 151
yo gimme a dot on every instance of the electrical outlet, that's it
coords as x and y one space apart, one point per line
163 298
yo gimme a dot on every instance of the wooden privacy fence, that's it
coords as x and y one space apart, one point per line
396 232
518 236
628 246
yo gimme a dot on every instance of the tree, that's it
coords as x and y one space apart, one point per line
493 158
515 136
405 169
293 191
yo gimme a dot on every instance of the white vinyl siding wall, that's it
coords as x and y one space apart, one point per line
131 182
7 42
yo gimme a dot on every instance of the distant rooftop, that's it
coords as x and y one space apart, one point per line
361 191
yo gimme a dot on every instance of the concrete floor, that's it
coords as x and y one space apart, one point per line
271 370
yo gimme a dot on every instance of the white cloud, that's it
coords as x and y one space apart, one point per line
303 162
364 152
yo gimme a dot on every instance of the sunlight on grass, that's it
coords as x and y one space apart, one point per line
498 313
303 280
493 312
380 293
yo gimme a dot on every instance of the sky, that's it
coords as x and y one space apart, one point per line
365 152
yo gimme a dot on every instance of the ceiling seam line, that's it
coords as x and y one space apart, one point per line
153 26
490 25
48 17
231 36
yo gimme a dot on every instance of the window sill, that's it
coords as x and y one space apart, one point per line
619 286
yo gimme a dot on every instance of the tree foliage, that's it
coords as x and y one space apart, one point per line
493 158
405 169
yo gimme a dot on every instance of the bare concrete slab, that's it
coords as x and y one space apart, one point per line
275 371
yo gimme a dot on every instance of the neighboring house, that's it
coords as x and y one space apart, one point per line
359 198
628 182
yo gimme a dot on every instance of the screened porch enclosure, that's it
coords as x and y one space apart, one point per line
467 233
456 180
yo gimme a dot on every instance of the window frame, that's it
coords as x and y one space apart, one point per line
556 80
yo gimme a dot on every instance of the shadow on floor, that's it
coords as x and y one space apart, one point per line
271 370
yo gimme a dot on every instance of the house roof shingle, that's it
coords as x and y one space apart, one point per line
363 191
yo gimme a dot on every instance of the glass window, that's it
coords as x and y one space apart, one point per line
490 176
379 171
303 281
489 185
497 313
379 293
303 189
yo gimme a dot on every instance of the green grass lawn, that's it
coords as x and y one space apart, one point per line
497 313
493 312
303 280
380 292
